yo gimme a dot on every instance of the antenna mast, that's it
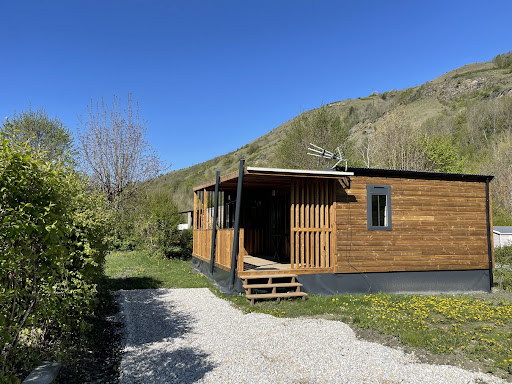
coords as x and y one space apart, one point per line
315 150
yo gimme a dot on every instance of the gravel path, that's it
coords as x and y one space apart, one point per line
191 336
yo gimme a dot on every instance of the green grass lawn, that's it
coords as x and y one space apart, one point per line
477 328
138 270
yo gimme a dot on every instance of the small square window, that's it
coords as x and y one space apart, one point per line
379 207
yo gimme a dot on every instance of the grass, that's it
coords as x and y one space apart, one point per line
476 328
138 270
472 73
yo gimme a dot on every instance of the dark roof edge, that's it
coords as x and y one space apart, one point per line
418 174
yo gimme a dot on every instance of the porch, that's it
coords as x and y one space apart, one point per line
286 222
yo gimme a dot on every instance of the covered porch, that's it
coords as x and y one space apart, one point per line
286 221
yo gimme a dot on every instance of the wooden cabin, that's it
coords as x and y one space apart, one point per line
360 230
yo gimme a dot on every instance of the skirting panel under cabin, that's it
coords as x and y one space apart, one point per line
396 282
220 277
434 225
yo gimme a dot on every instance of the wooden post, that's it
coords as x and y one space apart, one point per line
327 224
292 225
307 256
241 250
302 232
334 229
214 223
297 218
205 209
318 250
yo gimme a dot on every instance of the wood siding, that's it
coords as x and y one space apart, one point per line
436 225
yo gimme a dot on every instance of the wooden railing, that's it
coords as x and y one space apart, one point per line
223 248
312 222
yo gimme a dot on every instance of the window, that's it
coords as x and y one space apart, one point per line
379 207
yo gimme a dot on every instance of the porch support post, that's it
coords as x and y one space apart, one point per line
236 232
214 224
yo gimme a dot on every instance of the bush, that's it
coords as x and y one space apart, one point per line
503 274
52 247
503 255
156 224
149 222
503 61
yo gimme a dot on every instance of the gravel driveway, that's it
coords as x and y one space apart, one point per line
191 336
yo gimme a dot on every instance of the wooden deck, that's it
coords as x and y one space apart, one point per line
255 266
253 263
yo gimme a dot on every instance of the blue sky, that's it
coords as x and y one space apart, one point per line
211 76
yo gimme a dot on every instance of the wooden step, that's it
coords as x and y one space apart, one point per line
278 296
269 276
270 279
275 295
272 285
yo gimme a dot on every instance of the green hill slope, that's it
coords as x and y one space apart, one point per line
458 122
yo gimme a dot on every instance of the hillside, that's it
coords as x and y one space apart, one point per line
458 122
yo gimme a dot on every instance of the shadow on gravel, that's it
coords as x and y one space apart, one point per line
128 283
97 357
183 365
153 320
154 352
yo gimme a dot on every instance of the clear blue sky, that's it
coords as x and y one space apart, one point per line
213 75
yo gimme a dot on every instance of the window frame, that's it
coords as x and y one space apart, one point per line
372 190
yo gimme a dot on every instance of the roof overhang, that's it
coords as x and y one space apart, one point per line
270 177
501 233
374 172
298 172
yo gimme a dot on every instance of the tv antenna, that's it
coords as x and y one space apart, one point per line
315 150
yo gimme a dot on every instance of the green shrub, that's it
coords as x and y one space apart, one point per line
186 243
503 275
149 222
503 61
500 216
52 247
503 255
503 279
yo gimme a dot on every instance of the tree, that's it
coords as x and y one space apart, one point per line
395 143
441 154
321 127
366 147
114 149
503 61
42 133
500 165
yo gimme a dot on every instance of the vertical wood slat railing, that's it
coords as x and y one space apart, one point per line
312 221
224 245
